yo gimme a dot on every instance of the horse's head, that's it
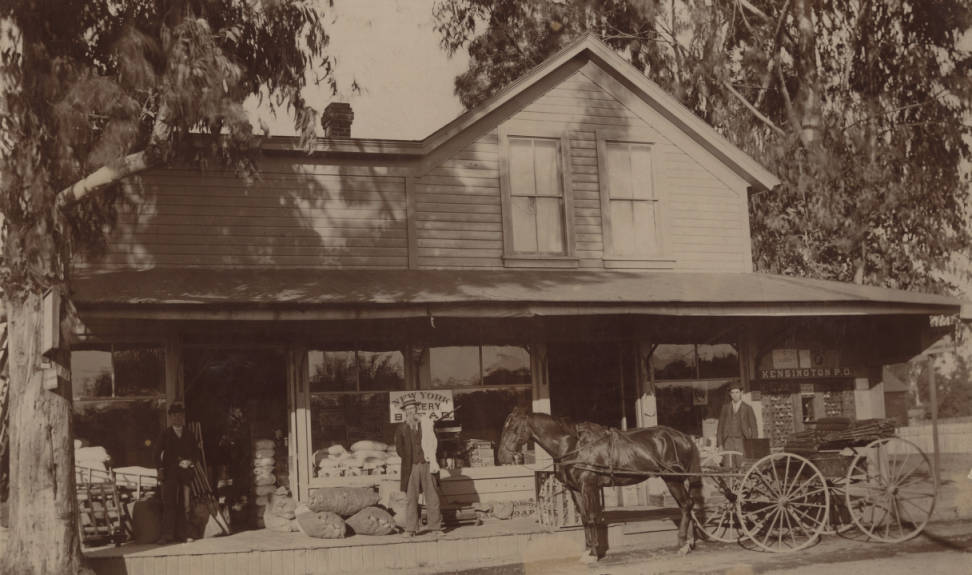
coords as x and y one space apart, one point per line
516 432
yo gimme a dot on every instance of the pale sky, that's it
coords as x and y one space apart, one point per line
391 48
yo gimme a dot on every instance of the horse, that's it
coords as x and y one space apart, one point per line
588 457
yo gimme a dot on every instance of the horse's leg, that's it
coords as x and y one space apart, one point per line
591 493
588 536
686 535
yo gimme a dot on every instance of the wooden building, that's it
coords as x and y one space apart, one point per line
578 244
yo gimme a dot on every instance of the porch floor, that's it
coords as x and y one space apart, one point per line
265 552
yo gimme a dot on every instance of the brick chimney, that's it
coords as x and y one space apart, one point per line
337 120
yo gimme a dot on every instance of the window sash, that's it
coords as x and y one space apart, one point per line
630 206
536 203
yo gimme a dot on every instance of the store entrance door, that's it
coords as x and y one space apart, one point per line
592 381
239 398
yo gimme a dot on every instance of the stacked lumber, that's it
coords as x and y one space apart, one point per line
855 432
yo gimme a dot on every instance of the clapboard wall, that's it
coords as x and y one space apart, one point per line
298 213
458 206
440 211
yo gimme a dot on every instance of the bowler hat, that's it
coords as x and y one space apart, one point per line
408 402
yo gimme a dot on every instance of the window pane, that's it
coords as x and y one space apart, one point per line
91 373
481 413
139 370
674 361
641 171
719 360
645 235
331 370
126 429
506 365
524 225
618 170
521 167
550 226
343 419
381 370
622 227
453 367
546 164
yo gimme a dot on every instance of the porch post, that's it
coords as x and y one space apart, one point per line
541 394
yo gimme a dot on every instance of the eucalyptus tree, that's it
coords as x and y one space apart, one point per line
92 92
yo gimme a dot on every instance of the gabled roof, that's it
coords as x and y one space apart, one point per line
589 45
673 110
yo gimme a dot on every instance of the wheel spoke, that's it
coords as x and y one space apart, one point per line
803 465
925 512
769 531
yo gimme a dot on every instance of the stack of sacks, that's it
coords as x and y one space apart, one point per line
281 513
264 481
365 458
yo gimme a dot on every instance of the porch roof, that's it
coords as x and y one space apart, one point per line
352 294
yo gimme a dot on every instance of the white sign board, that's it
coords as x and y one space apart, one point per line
436 404
786 359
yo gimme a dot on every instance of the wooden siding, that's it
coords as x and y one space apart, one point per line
297 214
458 213
459 219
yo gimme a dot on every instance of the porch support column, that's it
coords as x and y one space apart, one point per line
541 394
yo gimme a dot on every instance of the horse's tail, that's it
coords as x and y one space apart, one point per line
695 480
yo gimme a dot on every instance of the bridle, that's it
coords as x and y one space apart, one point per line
516 422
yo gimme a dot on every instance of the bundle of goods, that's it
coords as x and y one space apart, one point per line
330 510
264 480
365 458
372 521
345 501
281 512
479 453
319 524
835 435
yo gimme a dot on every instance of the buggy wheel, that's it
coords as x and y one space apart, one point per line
783 503
890 490
720 522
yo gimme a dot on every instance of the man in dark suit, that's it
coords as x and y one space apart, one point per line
176 453
416 444
737 422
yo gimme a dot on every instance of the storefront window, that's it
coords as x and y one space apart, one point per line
692 384
351 432
356 370
118 371
119 393
487 382
674 361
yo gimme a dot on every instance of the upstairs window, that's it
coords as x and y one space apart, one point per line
631 207
536 197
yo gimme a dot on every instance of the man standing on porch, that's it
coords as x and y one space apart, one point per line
416 444
175 455
737 422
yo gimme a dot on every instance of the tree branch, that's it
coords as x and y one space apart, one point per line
103 177
774 53
752 9
753 109
115 170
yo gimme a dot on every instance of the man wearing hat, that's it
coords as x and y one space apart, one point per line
737 422
176 453
416 444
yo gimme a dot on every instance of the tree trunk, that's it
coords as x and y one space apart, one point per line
43 536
